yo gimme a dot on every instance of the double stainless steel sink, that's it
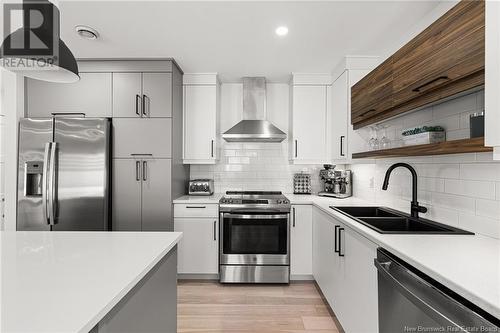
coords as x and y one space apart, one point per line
389 221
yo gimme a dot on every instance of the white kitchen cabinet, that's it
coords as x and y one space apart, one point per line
92 95
201 114
324 255
301 241
344 270
142 95
340 109
360 287
344 139
198 250
308 138
492 78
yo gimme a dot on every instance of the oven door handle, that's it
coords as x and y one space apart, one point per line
256 216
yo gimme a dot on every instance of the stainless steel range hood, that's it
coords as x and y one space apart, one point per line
254 127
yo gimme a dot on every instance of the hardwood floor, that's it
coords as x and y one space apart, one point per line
212 307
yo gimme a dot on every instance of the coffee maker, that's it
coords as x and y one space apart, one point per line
336 183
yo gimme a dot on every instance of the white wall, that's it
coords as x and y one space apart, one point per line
461 190
254 166
12 106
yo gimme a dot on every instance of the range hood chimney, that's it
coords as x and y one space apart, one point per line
254 127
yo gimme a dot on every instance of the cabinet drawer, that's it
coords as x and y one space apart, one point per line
151 136
196 210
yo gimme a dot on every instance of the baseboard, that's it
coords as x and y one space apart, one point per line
301 277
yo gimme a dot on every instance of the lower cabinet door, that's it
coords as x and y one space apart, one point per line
156 195
301 240
323 253
126 195
198 249
360 298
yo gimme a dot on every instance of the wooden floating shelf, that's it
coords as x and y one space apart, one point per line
474 145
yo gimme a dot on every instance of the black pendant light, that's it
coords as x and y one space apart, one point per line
38 53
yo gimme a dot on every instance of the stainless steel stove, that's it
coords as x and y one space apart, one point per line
255 237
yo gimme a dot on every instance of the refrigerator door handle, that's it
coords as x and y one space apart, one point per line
45 178
52 184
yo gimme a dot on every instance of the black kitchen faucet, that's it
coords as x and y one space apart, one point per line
415 207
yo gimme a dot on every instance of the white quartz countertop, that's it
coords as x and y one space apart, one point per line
467 264
68 281
199 199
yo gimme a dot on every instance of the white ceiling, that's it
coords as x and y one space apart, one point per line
237 38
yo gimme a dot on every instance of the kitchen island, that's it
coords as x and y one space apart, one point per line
88 281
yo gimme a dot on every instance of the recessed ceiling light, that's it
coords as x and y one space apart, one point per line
281 31
86 32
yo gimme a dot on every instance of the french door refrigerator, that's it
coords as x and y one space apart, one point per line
63 176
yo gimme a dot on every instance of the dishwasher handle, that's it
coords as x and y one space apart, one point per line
444 309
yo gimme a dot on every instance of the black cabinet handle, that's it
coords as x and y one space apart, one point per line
295 148
144 170
418 89
342 137
336 233
200 207
138 171
144 105
341 254
215 230
293 209
212 148
138 105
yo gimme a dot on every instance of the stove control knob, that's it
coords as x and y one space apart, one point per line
279 202
285 202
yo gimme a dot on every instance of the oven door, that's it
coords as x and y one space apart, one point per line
255 238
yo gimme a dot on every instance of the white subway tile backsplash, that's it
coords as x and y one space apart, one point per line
470 188
480 171
460 203
456 106
488 208
479 224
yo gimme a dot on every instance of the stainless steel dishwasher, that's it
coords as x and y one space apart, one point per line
410 301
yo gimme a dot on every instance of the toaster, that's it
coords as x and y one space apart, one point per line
201 187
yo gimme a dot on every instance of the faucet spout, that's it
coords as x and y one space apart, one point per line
415 207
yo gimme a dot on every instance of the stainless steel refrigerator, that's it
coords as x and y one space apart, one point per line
63 176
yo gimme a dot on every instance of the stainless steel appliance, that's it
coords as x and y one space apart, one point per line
63 175
410 301
336 183
254 238
254 127
201 187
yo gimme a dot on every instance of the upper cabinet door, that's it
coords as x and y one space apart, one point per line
445 59
132 137
127 95
339 118
309 124
452 48
157 95
91 95
372 95
200 116
156 195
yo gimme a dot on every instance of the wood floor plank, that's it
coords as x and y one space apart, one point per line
212 307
